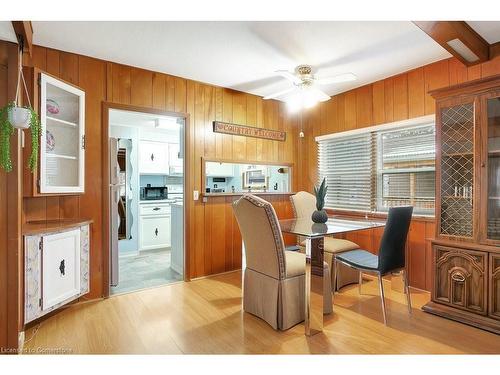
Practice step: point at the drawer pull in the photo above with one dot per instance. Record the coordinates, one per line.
(156, 209)
(152, 157)
(457, 277)
(156, 231)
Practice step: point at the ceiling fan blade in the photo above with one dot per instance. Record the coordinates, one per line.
(290, 76)
(347, 77)
(279, 93)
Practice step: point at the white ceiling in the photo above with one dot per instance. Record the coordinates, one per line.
(244, 55)
(489, 30)
(144, 120)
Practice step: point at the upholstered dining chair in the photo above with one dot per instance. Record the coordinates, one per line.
(304, 204)
(391, 255)
(274, 279)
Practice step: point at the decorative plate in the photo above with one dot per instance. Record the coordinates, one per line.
(52, 106)
(50, 140)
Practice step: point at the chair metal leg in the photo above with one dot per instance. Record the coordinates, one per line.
(407, 290)
(360, 282)
(381, 286)
(336, 268)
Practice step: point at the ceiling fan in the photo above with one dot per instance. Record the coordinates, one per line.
(305, 84)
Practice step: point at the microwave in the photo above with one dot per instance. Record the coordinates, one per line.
(154, 192)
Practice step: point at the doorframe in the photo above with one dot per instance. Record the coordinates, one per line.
(106, 107)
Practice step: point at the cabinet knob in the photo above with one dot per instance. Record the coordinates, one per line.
(458, 277)
(156, 209)
(152, 157)
(156, 231)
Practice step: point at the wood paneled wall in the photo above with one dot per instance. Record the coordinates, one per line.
(3, 208)
(396, 98)
(215, 238)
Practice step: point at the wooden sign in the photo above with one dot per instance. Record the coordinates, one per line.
(249, 131)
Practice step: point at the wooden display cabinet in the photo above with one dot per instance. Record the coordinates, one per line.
(466, 261)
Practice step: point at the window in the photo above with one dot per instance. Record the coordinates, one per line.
(406, 173)
(381, 168)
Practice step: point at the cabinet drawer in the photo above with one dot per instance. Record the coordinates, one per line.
(461, 278)
(494, 287)
(154, 209)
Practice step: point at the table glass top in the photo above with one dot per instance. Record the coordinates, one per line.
(334, 225)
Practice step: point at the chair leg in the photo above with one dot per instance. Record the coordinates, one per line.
(360, 282)
(381, 286)
(335, 279)
(407, 290)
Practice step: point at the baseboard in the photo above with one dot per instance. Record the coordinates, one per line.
(478, 321)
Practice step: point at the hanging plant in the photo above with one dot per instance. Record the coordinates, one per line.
(15, 116)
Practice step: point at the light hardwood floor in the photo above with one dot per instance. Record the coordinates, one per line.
(205, 316)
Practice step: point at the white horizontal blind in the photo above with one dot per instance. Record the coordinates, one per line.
(348, 164)
(380, 169)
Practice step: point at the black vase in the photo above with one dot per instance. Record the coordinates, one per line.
(319, 216)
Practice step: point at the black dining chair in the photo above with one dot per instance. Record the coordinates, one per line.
(391, 255)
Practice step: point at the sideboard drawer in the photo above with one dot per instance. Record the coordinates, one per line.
(461, 278)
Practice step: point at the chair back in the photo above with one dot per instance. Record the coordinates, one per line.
(261, 234)
(303, 204)
(391, 254)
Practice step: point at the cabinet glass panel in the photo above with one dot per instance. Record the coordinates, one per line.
(62, 132)
(457, 170)
(493, 165)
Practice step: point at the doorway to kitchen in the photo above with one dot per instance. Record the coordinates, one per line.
(146, 199)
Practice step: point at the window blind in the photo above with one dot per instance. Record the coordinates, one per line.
(380, 169)
(348, 165)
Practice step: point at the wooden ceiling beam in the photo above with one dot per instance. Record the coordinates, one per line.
(456, 37)
(24, 34)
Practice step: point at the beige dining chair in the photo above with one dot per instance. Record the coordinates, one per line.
(304, 204)
(274, 279)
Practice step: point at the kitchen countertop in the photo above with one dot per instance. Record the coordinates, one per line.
(47, 226)
(247, 192)
(156, 201)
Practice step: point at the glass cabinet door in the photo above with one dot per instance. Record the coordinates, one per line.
(62, 110)
(457, 170)
(493, 168)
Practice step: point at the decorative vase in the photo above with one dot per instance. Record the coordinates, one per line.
(319, 216)
(19, 117)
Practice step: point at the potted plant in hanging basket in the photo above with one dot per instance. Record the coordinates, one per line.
(320, 215)
(13, 116)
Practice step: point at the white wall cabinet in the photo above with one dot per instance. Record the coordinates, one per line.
(155, 226)
(153, 157)
(62, 141)
(216, 169)
(174, 161)
(56, 270)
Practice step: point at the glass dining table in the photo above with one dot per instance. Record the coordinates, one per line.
(314, 235)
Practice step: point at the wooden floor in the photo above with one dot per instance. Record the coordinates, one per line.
(205, 316)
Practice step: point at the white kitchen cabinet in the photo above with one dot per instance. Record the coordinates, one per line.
(56, 269)
(177, 249)
(153, 157)
(155, 231)
(62, 140)
(216, 169)
(154, 225)
(174, 161)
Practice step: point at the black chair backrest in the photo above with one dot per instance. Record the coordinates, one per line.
(391, 255)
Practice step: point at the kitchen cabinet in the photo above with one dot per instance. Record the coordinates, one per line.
(177, 253)
(56, 269)
(174, 161)
(62, 141)
(216, 169)
(153, 157)
(154, 226)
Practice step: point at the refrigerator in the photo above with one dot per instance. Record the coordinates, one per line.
(114, 198)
